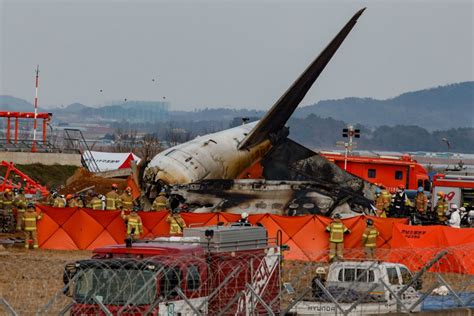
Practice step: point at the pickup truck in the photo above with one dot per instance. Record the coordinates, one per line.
(359, 281)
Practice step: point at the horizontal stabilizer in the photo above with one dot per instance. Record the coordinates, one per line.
(278, 115)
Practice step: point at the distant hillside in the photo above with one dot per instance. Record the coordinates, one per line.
(444, 107)
(440, 108)
(10, 103)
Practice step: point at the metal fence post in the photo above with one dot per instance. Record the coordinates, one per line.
(102, 306)
(269, 310)
(181, 294)
(8, 307)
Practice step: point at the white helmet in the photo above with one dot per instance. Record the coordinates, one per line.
(462, 209)
(454, 206)
(244, 215)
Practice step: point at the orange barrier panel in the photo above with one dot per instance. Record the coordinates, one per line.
(81, 228)
(427, 241)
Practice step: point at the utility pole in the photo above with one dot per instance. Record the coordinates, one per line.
(33, 147)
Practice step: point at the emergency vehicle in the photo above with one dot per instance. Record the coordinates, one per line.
(458, 189)
(391, 171)
(349, 281)
(206, 269)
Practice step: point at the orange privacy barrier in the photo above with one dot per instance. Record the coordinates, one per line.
(427, 241)
(81, 228)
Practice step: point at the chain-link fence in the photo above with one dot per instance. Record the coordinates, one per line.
(248, 282)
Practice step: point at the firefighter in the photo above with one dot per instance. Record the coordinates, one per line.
(30, 219)
(112, 199)
(400, 203)
(95, 203)
(336, 230)
(387, 199)
(380, 203)
(59, 201)
(127, 200)
(369, 238)
(441, 206)
(321, 277)
(244, 219)
(70, 201)
(8, 201)
(160, 202)
(80, 200)
(20, 204)
(176, 222)
(421, 201)
(51, 196)
(133, 223)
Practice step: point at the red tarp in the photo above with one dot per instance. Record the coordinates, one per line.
(80, 228)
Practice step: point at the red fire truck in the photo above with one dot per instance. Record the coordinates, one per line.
(210, 270)
(387, 170)
(459, 189)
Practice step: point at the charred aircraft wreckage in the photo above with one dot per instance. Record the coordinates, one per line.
(209, 172)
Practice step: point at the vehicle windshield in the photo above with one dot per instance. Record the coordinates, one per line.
(115, 286)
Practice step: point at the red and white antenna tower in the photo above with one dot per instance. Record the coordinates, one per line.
(33, 148)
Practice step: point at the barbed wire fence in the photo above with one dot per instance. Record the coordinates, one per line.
(245, 283)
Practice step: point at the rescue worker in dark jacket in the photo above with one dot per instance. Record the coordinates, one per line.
(336, 230)
(400, 203)
(30, 220)
(244, 219)
(369, 239)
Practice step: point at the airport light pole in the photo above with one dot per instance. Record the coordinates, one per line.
(350, 133)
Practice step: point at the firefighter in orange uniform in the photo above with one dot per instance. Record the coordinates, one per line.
(441, 206)
(112, 199)
(176, 222)
(336, 230)
(369, 239)
(133, 223)
(421, 201)
(30, 219)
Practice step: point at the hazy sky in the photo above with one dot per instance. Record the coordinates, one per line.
(228, 53)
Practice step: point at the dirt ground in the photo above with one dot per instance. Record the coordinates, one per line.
(29, 279)
(82, 179)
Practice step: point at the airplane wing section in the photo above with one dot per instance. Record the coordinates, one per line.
(278, 115)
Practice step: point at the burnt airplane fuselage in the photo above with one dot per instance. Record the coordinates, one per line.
(226, 154)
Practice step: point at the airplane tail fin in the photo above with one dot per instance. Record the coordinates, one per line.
(278, 115)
